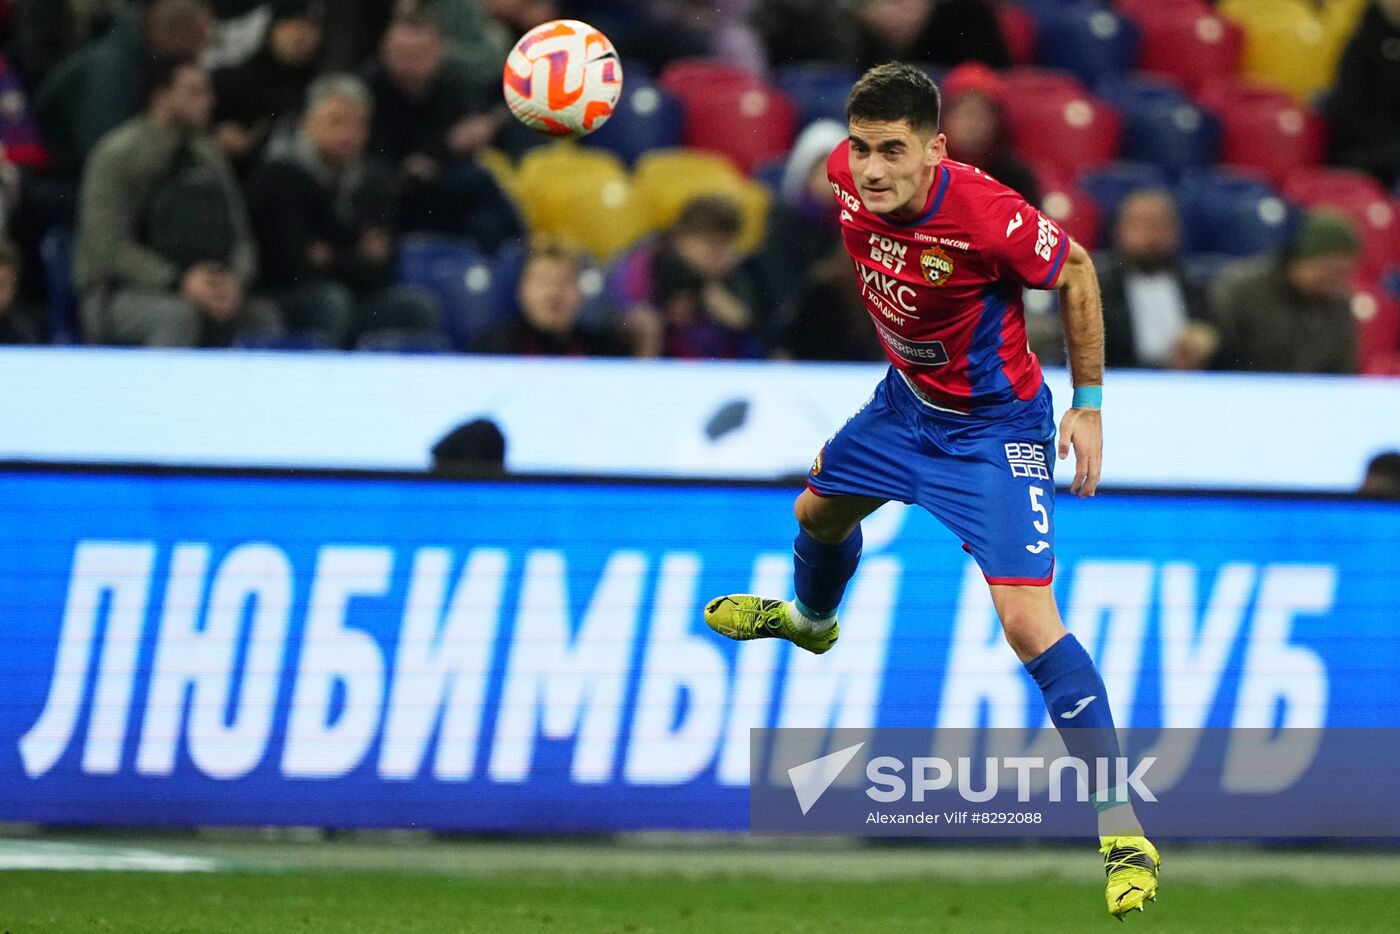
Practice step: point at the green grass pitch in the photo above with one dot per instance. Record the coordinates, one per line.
(510, 886)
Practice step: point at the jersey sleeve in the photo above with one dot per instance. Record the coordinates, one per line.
(1019, 242)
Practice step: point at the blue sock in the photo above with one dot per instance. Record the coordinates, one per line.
(1078, 705)
(821, 572)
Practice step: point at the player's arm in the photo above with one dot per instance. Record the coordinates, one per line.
(1081, 311)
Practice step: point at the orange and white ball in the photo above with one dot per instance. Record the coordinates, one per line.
(563, 78)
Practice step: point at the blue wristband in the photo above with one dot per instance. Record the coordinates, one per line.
(1087, 397)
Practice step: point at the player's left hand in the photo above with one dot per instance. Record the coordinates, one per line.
(1082, 429)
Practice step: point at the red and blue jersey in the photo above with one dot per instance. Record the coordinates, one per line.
(944, 288)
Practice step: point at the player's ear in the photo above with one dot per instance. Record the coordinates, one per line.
(937, 149)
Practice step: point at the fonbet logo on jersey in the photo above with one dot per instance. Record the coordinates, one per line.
(1046, 239)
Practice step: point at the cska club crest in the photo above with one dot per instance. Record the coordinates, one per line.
(937, 266)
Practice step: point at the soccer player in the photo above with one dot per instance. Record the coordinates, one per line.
(962, 423)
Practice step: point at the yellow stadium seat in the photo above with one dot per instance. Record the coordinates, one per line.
(666, 179)
(1287, 43)
(1340, 18)
(602, 219)
(547, 177)
(500, 167)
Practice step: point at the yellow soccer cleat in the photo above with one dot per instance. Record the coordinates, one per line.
(743, 616)
(1131, 864)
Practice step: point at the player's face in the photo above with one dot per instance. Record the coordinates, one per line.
(893, 165)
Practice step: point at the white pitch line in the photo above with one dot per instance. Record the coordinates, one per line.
(39, 854)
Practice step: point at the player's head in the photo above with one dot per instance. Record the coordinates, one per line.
(549, 294)
(1383, 476)
(892, 115)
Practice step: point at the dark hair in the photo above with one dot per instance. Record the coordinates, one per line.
(712, 215)
(474, 448)
(896, 91)
(1386, 464)
(160, 75)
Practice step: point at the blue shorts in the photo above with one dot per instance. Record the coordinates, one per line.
(989, 476)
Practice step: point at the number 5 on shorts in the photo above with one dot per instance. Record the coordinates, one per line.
(1042, 525)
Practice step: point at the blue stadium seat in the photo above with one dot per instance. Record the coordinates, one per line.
(819, 91)
(295, 340)
(1162, 125)
(1229, 212)
(1086, 38)
(56, 252)
(395, 340)
(462, 279)
(1110, 184)
(647, 117)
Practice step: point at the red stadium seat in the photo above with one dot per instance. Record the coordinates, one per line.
(1361, 198)
(1262, 129)
(748, 123)
(1072, 208)
(1055, 123)
(1185, 40)
(1017, 32)
(1377, 332)
(690, 77)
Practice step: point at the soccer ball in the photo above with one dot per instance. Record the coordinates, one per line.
(563, 78)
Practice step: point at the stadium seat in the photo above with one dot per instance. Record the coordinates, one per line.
(819, 91)
(747, 123)
(460, 277)
(1361, 198)
(548, 176)
(1263, 129)
(396, 340)
(666, 180)
(293, 341)
(1232, 212)
(690, 76)
(1184, 40)
(602, 219)
(1110, 184)
(56, 253)
(1285, 43)
(1055, 123)
(1161, 125)
(1085, 38)
(647, 118)
(500, 166)
(1018, 32)
(1377, 331)
(1074, 210)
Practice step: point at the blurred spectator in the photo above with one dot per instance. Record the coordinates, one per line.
(803, 225)
(863, 33)
(48, 31)
(262, 98)
(831, 322)
(1383, 476)
(17, 325)
(550, 301)
(1365, 102)
(1292, 313)
(686, 295)
(1154, 315)
(325, 222)
(474, 40)
(939, 32)
(429, 122)
(976, 128)
(99, 87)
(164, 253)
(473, 449)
